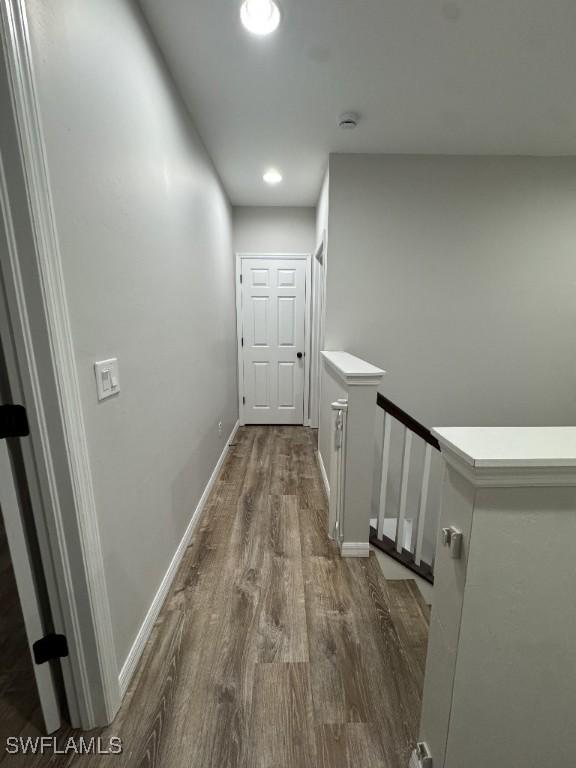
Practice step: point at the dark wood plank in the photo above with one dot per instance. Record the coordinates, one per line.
(282, 728)
(396, 686)
(340, 678)
(410, 623)
(283, 630)
(425, 608)
(348, 746)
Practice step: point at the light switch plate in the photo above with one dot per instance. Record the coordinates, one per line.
(107, 378)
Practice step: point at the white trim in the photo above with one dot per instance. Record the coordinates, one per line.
(352, 370)
(319, 252)
(355, 549)
(323, 473)
(510, 477)
(307, 339)
(538, 447)
(129, 666)
(499, 457)
(307, 328)
(316, 325)
(239, 353)
(18, 353)
(52, 388)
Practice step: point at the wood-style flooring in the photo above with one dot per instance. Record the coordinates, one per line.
(271, 651)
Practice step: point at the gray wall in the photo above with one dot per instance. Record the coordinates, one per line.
(458, 277)
(274, 229)
(145, 232)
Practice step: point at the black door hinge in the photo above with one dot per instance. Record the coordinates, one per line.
(242, 340)
(243, 401)
(50, 647)
(240, 278)
(13, 421)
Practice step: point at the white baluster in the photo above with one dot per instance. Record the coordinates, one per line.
(403, 489)
(387, 432)
(423, 503)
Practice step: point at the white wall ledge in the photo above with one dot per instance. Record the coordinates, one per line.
(353, 370)
(511, 456)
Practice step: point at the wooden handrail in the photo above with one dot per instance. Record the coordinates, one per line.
(409, 421)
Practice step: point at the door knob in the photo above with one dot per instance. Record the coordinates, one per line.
(299, 355)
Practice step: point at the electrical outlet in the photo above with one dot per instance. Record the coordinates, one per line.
(220, 428)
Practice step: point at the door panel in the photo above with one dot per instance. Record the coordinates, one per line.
(286, 321)
(273, 306)
(286, 277)
(286, 379)
(260, 322)
(27, 589)
(260, 277)
(28, 572)
(261, 384)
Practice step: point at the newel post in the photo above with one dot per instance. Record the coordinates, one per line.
(349, 387)
(500, 688)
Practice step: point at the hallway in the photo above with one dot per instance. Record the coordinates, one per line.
(272, 651)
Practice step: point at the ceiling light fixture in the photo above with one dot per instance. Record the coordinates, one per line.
(261, 17)
(272, 176)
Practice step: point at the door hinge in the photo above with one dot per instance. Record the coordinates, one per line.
(50, 647)
(243, 401)
(13, 421)
(242, 340)
(240, 278)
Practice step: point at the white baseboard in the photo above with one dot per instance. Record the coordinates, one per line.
(323, 473)
(129, 666)
(355, 549)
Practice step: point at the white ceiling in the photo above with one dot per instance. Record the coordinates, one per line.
(427, 76)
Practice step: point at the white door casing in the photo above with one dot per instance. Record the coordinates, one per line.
(27, 591)
(273, 320)
(317, 341)
(42, 375)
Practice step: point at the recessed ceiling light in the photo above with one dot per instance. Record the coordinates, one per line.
(272, 176)
(261, 17)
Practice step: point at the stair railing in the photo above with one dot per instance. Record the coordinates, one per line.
(395, 535)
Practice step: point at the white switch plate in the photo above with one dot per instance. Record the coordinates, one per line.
(107, 378)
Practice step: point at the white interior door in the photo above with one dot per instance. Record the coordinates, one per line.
(27, 588)
(273, 318)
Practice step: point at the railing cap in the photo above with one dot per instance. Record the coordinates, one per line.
(511, 456)
(353, 370)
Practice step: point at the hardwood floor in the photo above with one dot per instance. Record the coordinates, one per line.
(271, 651)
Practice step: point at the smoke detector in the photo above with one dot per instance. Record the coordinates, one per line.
(348, 120)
